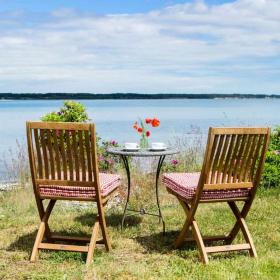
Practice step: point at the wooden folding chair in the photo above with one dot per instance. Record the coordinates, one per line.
(231, 172)
(63, 163)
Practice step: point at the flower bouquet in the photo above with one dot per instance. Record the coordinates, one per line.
(141, 128)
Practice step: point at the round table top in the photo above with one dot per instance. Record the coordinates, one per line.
(142, 152)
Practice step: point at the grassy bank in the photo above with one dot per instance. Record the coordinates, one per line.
(140, 251)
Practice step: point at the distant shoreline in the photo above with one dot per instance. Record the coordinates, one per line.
(123, 96)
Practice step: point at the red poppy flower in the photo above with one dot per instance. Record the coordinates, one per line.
(148, 121)
(140, 129)
(155, 122)
(135, 126)
(148, 133)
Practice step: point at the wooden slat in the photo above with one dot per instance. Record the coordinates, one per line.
(38, 153)
(75, 154)
(217, 156)
(221, 186)
(57, 154)
(214, 154)
(245, 157)
(70, 238)
(69, 153)
(62, 183)
(60, 125)
(87, 144)
(93, 146)
(233, 158)
(79, 239)
(45, 156)
(261, 161)
(228, 158)
(51, 158)
(221, 171)
(82, 153)
(239, 130)
(209, 162)
(62, 149)
(228, 248)
(244, 198)
(207, 238)
(63, 247)
(247, 161)
(239, 158)
(256, 154)
(70, 198)
(74, 238)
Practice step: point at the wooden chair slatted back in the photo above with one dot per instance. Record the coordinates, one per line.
(234, 157)
(62, 153)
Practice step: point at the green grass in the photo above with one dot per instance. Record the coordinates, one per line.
(139, 251)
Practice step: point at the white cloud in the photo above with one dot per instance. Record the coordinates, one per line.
(191, 47)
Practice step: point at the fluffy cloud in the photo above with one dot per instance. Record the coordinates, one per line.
(193, 47)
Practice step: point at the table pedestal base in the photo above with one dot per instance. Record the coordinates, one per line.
(142, 211)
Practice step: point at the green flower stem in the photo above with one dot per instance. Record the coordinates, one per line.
(144, 143)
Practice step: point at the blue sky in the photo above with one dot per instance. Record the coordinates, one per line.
(100, 7)
(146, 46)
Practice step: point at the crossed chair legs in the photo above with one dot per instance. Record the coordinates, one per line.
(228, 239)
(89, 243)
(44, 232)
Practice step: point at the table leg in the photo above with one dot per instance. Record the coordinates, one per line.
(160, 162)
(126, 165)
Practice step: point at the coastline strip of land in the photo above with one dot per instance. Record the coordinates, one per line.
(120, 96)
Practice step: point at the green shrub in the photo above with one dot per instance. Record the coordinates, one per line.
(271, 174)
(71, 111)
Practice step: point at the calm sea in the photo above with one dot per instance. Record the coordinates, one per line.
(114, 118)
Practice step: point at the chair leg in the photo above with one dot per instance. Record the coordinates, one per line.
(195, 232)
(41, 211)
(38, 240)
(244, 228)
(42, 230)
(200, 243)
(92, 243)
(233, 233)
(197, 237)
(183, 233)
(102, 222)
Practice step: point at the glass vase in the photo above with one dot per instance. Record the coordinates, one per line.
(144, 143)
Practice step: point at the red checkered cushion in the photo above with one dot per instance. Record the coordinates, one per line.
(185, 184)
(108, 182)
